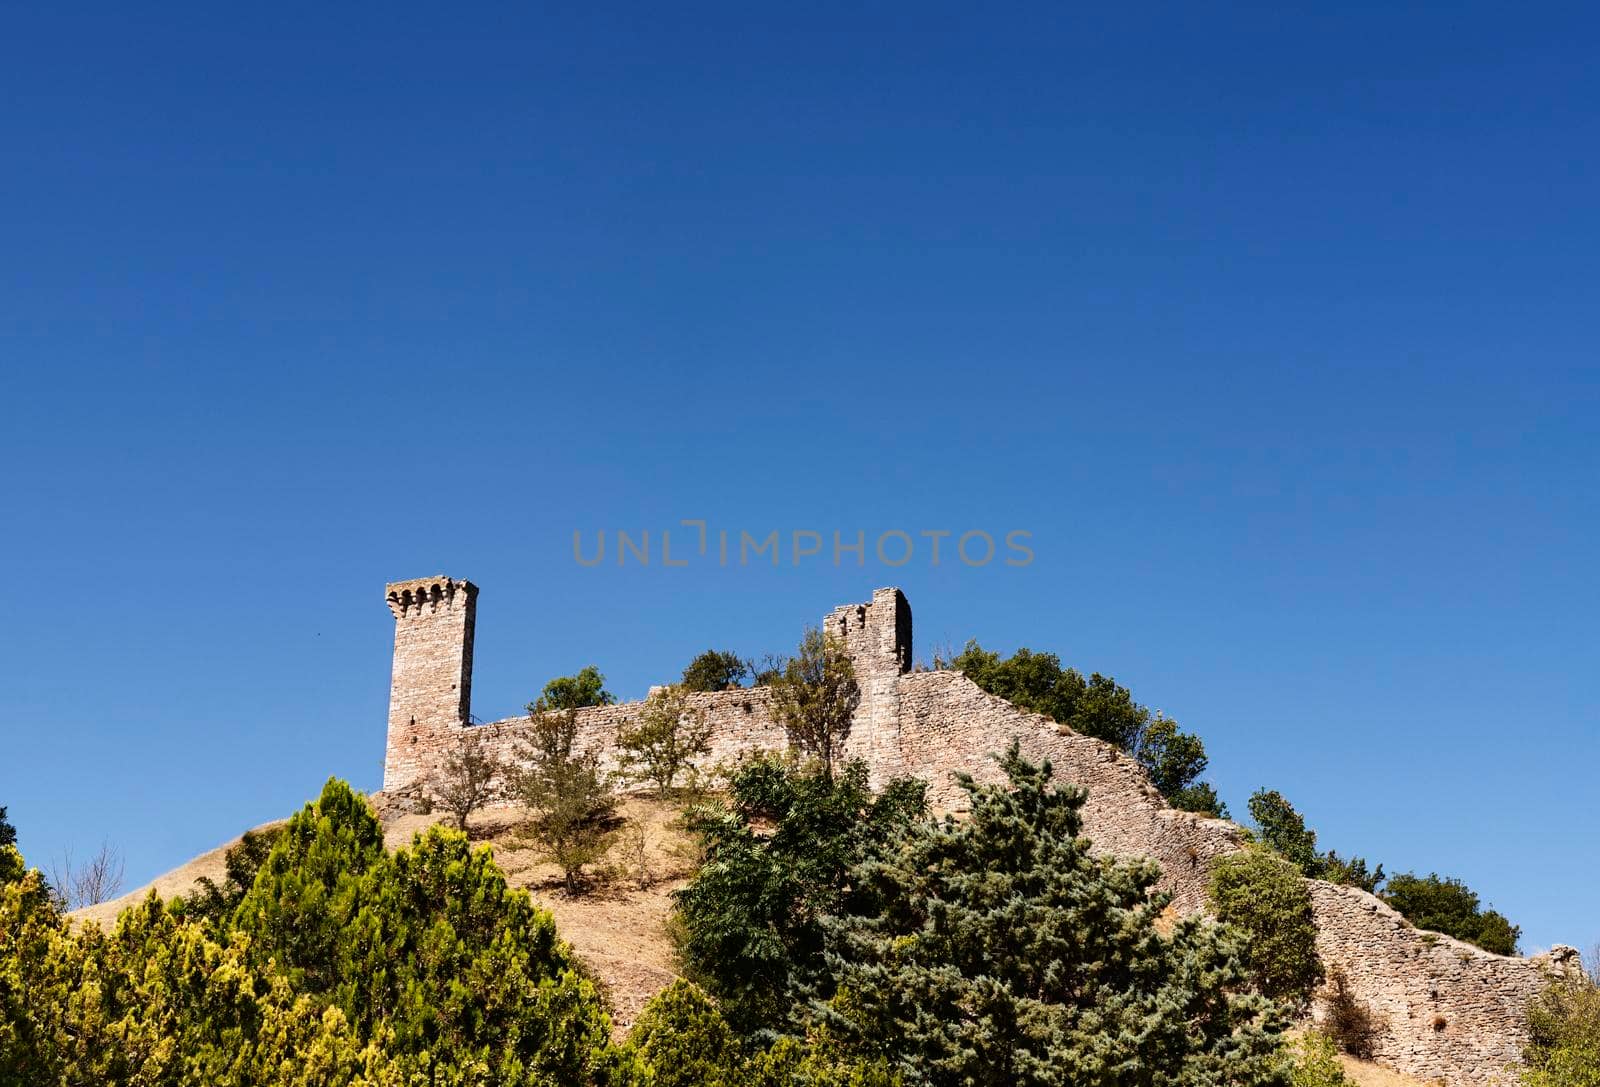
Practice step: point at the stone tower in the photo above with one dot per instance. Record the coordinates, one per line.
(877, 636)
(430, 691)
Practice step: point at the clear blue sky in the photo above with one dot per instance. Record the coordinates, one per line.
(1276, 329)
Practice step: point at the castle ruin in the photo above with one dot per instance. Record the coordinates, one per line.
(1446, 1010)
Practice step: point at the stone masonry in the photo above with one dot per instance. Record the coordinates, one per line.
(1447, 1010)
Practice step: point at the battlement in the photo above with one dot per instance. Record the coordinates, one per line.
(428, 595)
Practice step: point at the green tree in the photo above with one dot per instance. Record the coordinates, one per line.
(8, 833)
(574, 812)
(587, 688)
(667, 737)
(1264, 896)
(341, 965)
(815, 697)
(1100, 707)
(715, 670)
(778, 853)
(1313, 1061)
(1281, 828)
(1000, 951)
(216, 901)
(1443, 904)
(682, 1040)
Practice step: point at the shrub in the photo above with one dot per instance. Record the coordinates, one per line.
(574, 813)
(1449, 906)
(778, 853)
(1263, 896)
(587, 688)
(667, 737)
(715, 671)
(1564, 1036)
(683, 1040)
(815, 696)
(997, 949)
(1312, 1060)
(1348, 1021)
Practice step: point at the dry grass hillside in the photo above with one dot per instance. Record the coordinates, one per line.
(618, 927)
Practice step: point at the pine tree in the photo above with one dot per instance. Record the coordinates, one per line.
(1000, 952)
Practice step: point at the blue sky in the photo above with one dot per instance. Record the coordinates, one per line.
(1275, 328)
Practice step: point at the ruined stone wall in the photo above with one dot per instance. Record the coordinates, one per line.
(1447, 1010)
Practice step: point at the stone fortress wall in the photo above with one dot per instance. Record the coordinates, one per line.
(1448, 1011)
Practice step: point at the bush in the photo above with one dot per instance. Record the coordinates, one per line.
(668, 736)
(997, 950)
(1449, 906)
(1564, 1037)
(1265, 898)
(683, 1040)
(715, 671)
(574, 812)
(778, 854)
(1312, 1060)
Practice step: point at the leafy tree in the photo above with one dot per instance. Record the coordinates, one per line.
(1283, 829)
(716, 670)
(587, 688)
(778, 853)
(574, 811)
(469, 777)
(8, 833)
(1264, 897)
(1449, 906)
(216, 902)
(1564, 1036)
(669, 735)
(1100, 707)
(999, 951)
(815, 696)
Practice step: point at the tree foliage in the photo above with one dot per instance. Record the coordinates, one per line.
(587, 688)
(778, 854)
(716, 670)
(1443, 904)
(216, 901)
(1100, 707)
(341, 965)
(1264, 897)
(1283, 829)
(470, 776)
(8, 833)
(999, 951)
(664, 741)
(574, 816)
(1564, 1036)
(814, 697)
